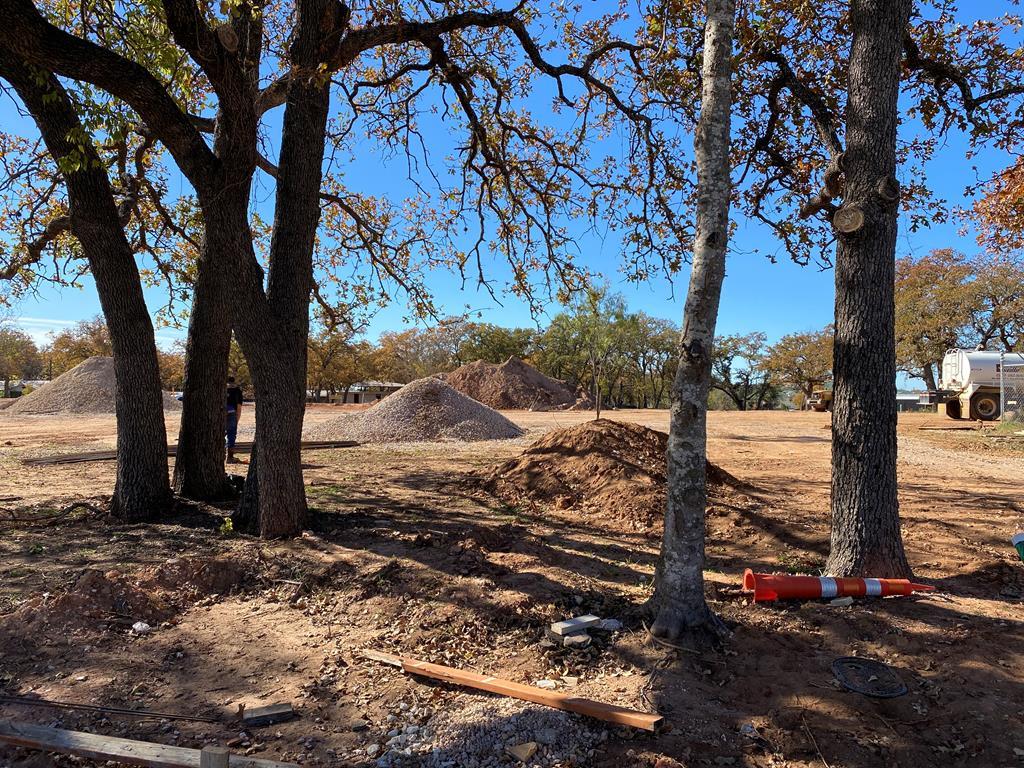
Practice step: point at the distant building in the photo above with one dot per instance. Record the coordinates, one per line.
(18, 387)
(909, 401)
(367, 392)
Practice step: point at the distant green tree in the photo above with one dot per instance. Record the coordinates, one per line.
(739, 370)
(496, 344)
(802, 360)
(19, 357)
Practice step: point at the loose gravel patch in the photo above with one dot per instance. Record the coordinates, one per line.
(476, 732)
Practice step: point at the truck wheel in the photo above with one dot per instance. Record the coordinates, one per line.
(985, 407)
(953, 409)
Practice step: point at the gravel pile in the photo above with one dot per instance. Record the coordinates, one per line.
(513, 385)
(426, 409)
(86, 388)
(476, 732)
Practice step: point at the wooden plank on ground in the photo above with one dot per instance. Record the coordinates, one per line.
(172, 450)
(608, 712)
(129, 751)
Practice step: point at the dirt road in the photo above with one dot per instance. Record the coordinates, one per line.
(402, 556)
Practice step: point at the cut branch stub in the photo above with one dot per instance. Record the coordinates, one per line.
(849, 218)
(888, 189)
(833, 181)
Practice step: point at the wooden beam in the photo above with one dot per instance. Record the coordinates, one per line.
(608, 712)
(172, 450)
(99, 747)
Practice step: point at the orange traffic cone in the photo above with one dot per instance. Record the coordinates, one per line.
(768, 587)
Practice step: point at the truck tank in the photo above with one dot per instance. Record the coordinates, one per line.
(970, 382)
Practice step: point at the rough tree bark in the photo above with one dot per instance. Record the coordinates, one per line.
(199, 464)
(928, 372)
(866, 539)
(274, 338)
(141, 488)
(227, 244)
(678, 602)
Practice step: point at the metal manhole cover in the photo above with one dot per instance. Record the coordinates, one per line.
(871, 678)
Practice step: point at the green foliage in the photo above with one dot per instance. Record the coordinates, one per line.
(740, 372)
(19, 357)
(802, 360)
(496, 344)
(946, 299)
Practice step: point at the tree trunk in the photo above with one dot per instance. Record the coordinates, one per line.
(928, 373)
(199, 464)
(275, 336)
(866, 538)
(678, 602)
(597, 392)
(141, 487)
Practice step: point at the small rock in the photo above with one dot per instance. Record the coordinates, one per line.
(360, 725)
(610, 625)
(842, 602)
(547, 736)
(546, 684)
(523, 752)
(141, 628)
(372, 750)
(579, 641)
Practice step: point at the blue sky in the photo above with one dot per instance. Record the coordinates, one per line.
(775, 298)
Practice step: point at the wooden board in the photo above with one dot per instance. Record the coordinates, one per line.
(172, 450)
(274, 713)
(607, 712)
(110, 748)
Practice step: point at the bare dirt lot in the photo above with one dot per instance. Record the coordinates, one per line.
(406, 554)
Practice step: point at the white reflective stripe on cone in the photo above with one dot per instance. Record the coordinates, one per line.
(828, 586)
(872, 586)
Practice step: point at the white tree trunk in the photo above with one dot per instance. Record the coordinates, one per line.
(678, 600)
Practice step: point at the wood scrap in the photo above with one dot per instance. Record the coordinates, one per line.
(274, 713)
(608, 712)
(31, 701)
(576, 625)
(172, 450)
(99, 747)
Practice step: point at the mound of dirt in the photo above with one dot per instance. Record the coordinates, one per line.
(86, 388)
(513, 385)
(604, 468)
(426, 409)
(152, 595)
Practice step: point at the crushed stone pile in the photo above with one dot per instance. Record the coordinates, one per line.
(151, 595)
(603, 468)
(426, 409)
(476, 732)
(513, 385)
(86, 388)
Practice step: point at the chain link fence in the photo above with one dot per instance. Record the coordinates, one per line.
(1011, 387)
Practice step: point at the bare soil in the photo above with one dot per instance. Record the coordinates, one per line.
(403, 555)
(511, 385)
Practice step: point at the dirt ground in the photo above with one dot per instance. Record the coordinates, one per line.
(404, 554)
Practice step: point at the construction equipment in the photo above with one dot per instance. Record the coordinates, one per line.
(820, 400)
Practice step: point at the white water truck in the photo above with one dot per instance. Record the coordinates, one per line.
(971, 383)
